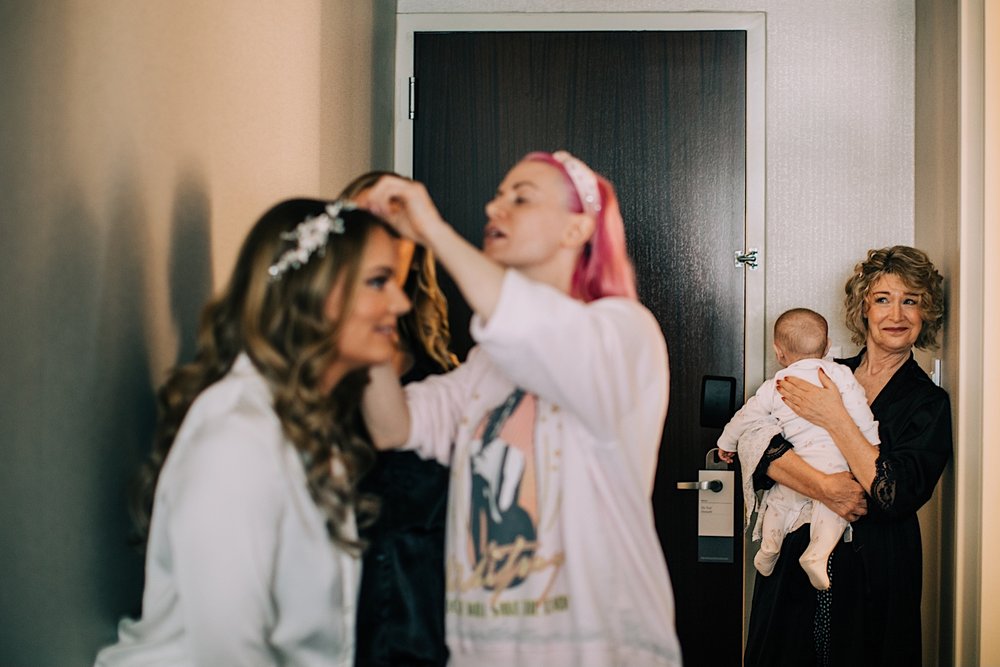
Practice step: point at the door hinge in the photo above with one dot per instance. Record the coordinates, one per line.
(413, 98)
(746, 259)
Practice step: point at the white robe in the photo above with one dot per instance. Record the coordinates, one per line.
(576, 462)
(240, 568)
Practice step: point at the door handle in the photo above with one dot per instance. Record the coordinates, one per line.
(704, 485)
(715, 513)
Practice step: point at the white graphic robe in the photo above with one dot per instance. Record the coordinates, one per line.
(552, 429)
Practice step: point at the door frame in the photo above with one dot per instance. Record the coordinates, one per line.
(755, 25)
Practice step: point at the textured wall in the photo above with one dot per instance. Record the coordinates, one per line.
(138, 142)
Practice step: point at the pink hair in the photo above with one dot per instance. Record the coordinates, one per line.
(603, 268)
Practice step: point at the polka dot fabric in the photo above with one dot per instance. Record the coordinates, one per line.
(821, 628)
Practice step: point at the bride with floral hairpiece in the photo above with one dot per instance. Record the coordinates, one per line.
(249, 499)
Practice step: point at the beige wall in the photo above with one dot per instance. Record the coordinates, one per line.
(138, 142)
(958, 218)
(989, 625)
(936, 215)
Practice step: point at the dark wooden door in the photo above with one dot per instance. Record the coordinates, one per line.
(662, 115)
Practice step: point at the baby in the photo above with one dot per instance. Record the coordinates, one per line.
(800, 343)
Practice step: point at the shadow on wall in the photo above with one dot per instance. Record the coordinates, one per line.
(76, 401)
(190, 259)
(79, 410)
(123, 411)
(83, 412)
(190, 283)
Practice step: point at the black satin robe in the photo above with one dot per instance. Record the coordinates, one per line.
(401, 601)
(876, 578)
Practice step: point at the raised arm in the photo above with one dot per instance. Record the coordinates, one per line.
(606, 361)
(407, 206)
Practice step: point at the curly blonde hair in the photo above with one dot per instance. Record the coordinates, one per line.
(427, 321)
(917, 272)
(280, 325)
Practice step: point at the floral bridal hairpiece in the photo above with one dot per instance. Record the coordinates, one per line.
(310, 238)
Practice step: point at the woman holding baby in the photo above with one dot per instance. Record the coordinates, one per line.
(871, 613)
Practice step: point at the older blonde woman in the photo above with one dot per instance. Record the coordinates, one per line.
(871, 613)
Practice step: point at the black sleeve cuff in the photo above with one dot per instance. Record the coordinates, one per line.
(778, 447)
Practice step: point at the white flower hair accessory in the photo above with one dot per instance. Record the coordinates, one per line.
(583, 179)
(310, 237)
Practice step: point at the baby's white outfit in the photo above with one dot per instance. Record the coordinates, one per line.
(783, 510)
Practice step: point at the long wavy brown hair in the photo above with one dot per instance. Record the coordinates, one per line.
(280, 325)
(426, 323)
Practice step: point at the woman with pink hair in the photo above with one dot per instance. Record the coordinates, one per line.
(551, 427)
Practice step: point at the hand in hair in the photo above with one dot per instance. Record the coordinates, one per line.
(405, 205)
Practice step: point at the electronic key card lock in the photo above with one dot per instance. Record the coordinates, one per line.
(716, 485)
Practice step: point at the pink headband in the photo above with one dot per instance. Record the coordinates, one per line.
(583, 180)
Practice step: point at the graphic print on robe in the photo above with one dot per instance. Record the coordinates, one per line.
(504, 508)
